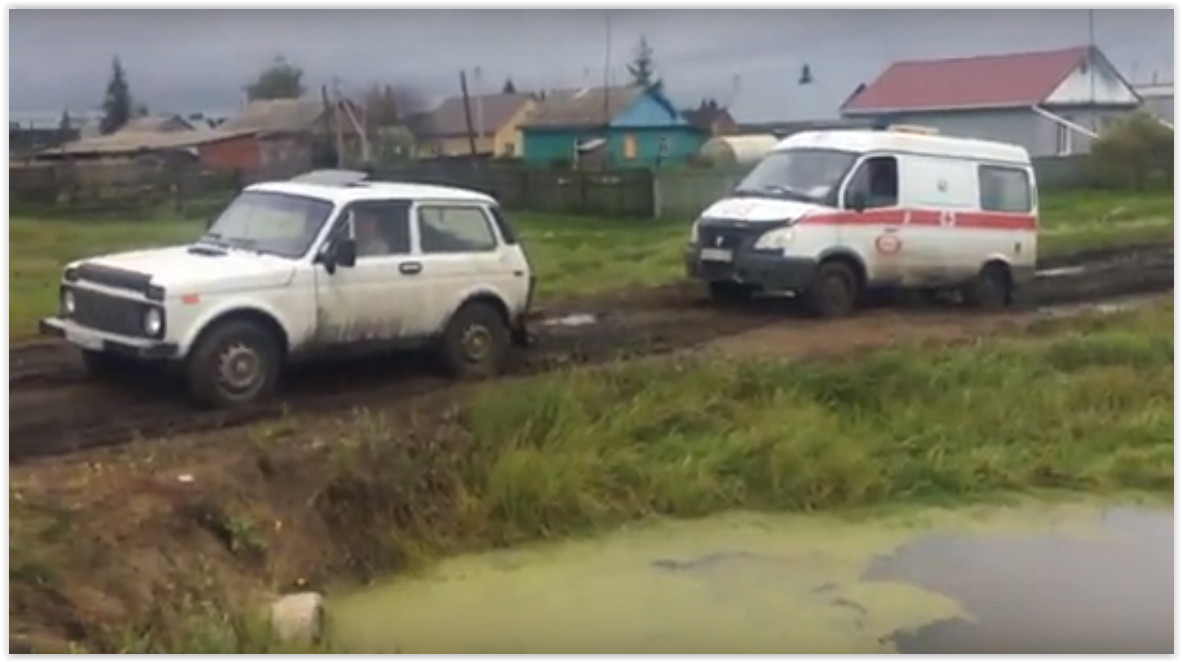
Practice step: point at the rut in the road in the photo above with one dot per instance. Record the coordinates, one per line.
(54, 412)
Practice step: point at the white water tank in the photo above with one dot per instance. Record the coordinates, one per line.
(746, 150)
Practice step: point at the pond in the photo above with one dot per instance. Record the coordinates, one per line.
(1030, 579)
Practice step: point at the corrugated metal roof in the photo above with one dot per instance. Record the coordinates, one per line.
(582, 108)
(1016, 79)
(489, 112)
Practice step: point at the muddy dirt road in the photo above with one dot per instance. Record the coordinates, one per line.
(55, 409)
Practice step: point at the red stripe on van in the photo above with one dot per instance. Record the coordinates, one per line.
(927, 217)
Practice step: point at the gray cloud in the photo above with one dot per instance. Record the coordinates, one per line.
(199, 59)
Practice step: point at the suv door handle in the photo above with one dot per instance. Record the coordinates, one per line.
(410, 268)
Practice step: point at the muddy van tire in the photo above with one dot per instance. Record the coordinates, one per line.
(990, 289)
(833, 292)
(731, 293)
(234, 365)
(475, 343)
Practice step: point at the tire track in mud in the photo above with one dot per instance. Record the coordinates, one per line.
(54, 410)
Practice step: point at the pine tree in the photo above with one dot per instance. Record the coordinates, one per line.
(509, 87)
(643, 68)
(117, 103)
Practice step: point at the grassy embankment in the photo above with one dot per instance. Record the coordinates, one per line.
(573, 255)
(1069, 405)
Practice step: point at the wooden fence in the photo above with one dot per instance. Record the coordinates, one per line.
(673, 193)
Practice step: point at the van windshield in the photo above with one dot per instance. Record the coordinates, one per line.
(811, 175)
(266, 222)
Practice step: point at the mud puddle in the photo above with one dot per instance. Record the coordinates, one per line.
(1068, 578)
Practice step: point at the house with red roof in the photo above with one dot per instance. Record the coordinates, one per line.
(1050, 102)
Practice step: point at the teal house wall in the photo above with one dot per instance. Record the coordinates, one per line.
(659, 133)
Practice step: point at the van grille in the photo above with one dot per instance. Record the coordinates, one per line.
(107, 313)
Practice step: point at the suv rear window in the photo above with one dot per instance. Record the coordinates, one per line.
(508, 233)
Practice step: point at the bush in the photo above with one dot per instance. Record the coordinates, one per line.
(1136, 151)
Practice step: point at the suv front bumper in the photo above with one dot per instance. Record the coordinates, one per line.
(100, 341)
(767, 271)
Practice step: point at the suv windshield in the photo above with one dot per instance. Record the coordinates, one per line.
(804, 174)
(275, 223)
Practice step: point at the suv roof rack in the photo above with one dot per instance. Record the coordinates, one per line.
(333, 177)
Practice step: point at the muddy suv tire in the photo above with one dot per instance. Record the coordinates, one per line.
(731, 293)
(833, 292)
(990, 290)
(234, 365)
(475, 343)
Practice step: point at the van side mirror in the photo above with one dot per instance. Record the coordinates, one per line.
(856, 200)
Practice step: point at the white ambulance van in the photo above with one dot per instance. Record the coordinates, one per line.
(829, 215)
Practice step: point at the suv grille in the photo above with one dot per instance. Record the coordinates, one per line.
(107, 313)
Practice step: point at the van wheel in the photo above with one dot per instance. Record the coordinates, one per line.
(833, 291)
(234, 365)
(731, 293)
(475, 342)
(990, 290)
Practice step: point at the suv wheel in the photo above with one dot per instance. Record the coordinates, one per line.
(731, 293)
(833, 292)
(990, 290)
(234, 365)
(475, 342)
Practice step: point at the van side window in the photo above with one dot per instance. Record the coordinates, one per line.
(878, 179)
(1004, 189)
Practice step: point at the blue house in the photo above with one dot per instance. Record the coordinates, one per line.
(618, 127)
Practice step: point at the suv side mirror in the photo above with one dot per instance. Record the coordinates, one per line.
(856, 200)
(340, 252)
(344, 252)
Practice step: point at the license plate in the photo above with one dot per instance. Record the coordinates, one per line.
(83, 339)
(716, 255)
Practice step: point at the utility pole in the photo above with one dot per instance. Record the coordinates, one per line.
(1092, 68)
(607, 68)
(468, 114)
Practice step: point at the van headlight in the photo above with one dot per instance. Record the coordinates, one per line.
(775, 240)
(69, 303)
(693, 238)
(154, 322)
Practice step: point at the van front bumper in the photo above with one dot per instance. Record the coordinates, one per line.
(771, 272)
(100, 341)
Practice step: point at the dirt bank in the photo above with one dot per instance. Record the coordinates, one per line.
(111, 541)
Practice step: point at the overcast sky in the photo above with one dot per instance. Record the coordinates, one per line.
(183, 60)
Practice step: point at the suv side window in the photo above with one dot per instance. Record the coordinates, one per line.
(878, 178)
(380, 228)
(454, 229)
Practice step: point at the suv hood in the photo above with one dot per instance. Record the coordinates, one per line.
(759, 210)
(176, 268)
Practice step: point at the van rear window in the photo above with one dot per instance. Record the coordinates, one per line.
(1005, 189)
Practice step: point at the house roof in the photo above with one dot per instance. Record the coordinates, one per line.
(155, 123)
(582, 107)
(1016, 79)
(131, 142)
(490, 112)
(278, 115)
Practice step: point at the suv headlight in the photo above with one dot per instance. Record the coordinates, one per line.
(69, 304)
(774, 240)
(154, 322)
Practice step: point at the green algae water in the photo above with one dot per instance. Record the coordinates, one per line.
(980, 580)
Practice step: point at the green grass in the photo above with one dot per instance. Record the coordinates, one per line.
(1072, 406)
(572, 255)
